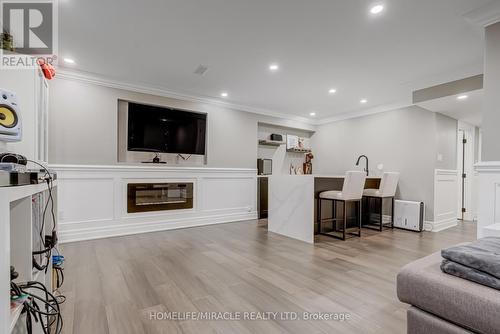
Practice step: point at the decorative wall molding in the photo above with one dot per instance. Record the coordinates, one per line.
(487, 167)
(95, 79)
(93, 199)
(152, 169)
(105, 82)
(144, 89)
(364, 112)
(486, 15)
(488, 198)
(445, 200)
(433, 226)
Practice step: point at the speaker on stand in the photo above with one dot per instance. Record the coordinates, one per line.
(10, 120)
(10, 131)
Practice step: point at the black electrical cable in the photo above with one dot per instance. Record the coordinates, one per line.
(60, 279)
(31, 308)
(48, 248)
(58, 268)
(50, 242)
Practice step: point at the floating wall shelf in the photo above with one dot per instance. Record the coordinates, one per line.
(270, 142)
(299, 150)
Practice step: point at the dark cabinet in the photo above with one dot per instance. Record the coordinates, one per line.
(262, 200)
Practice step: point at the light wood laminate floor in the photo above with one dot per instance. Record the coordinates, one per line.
(112, 285)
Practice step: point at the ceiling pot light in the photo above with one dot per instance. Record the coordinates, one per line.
(312, 114)
(224, 94)
(332, 91)
(363, 101)
(274, 67)
(377, 9)
(463, 97)
(69, 61)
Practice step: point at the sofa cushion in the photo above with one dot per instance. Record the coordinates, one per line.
(467, 304)
(420, 322)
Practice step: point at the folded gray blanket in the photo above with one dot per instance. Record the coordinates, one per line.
(470, 274)
(478, 261)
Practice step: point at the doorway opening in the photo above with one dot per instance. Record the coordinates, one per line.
(467, 149)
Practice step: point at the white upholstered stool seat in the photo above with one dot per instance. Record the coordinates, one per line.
(372, 193)
(331, 194)
(388, 186)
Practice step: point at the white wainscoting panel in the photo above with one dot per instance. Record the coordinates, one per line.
(86, 199)
(227, 193)
(445, 200)
(93, 199)
(488, 209)
(496, 203)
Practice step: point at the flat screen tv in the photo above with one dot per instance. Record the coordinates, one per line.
(165, 130)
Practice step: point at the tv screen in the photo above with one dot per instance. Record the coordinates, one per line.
(166, 130)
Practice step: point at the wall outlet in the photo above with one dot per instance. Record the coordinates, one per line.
(439, 157)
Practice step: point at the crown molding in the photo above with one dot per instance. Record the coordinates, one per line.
(486, 15)
(109, 83)
(365, 112)
(105, 82)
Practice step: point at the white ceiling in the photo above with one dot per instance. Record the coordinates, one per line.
(319, 44)
(468, 110)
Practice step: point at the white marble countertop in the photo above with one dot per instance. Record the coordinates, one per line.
(326, 176)
(332, 176)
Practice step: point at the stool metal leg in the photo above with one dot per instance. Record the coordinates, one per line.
(334, 212)
(344, 221)
(381, 218)
(360, 204)
(319, 215)
(392, 213)
(341, 223)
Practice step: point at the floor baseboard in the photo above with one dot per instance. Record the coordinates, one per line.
(439, 226)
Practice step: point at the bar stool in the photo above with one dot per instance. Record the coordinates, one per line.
(387, 190)
(352, 192)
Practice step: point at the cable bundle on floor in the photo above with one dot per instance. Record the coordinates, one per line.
(58, 272)
(40, 306)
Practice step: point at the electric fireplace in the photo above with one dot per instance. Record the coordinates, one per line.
(144, 197)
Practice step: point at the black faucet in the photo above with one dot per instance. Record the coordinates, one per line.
(366, 168)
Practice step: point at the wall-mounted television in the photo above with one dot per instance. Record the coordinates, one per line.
(165, 130)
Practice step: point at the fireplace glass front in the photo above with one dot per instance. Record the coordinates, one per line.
(144, 197)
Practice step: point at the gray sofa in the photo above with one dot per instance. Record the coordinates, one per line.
(446, 304)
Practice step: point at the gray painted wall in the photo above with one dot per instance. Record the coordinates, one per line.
(446, 141)
(406, 140)
(491, 113)
(84, 130)
(84, 127)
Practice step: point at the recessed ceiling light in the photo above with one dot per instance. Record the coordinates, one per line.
(274, 67)
(332, 91)
(224, 94)
(377, 9)
(312, 114)
(363, 101)
(463, 97)
(69, 60)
